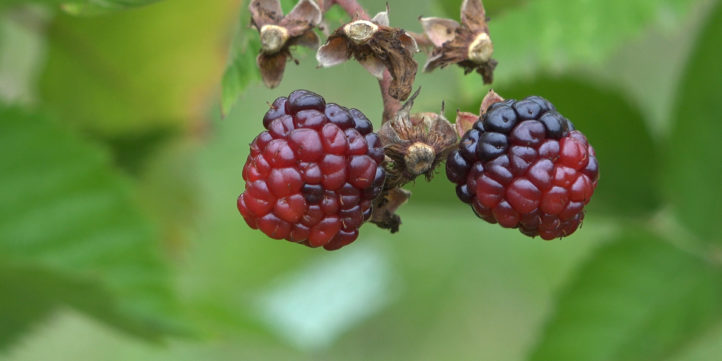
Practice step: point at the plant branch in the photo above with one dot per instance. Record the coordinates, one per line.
(353, 9)
(391, 105)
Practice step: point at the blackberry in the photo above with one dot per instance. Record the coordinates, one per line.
(523, 165)
(312, 175)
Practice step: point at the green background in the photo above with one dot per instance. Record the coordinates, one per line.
(120, 239)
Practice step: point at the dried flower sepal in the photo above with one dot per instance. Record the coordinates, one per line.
(467, 44)
(278, 33)
(465, 120)
(377, 47)
(384, 209)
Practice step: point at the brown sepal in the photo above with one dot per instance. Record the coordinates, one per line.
(376, 46)
(272, 67)
(490, 98)
(278, 33)
(385, 207)
(465, 120)
(467, 44)
(265, 12)
(439, 30)
(473, 15)
(302, 18)
(388, 46)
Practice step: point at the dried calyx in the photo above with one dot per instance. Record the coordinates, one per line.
(384, 209)
(278, 33)
(467, 44)
(377, 47)
(415, 144)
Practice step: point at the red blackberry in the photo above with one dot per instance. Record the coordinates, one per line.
(524, 166)
(312, 175)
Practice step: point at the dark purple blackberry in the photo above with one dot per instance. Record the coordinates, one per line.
(524, 166)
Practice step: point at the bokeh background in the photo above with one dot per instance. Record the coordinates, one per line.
(120, 240)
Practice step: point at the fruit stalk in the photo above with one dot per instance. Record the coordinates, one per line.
(391, 105)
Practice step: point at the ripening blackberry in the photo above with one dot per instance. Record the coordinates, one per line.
(523, 165)
(312, 175)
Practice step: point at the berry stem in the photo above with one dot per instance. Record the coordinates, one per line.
(391, 105)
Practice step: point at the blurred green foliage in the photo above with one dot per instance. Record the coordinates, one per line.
(86, 7)
(637, 298)
(118, 180)
(694, 171)
(243, 57)
(66, 216)
(132, 72)
(558, 36)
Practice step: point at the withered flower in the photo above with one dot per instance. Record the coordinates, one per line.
(385, 207)
(415, 144)
(378, 47)
(278, 33)
(467, 44)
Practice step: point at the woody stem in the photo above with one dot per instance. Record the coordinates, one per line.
(391, 104)
(357, 12)
(353, 9)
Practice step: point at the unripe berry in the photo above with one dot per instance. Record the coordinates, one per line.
(312, 175)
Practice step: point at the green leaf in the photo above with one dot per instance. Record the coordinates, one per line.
(628, 157)
(18, 317)
(556, 35)
(95, 7)
(37, 292)
(87, 7)
(707, 348)
(130, 72)
(241, 69)
(638, 298)
(21, 55)
(66, 216)
(17, 2)
(694, 175)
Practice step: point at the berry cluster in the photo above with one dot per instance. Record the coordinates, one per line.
(318, 172)
(312, 175)
(523, 165)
